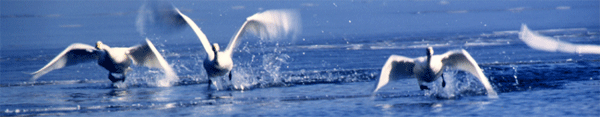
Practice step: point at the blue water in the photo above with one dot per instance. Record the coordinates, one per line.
(328, 70)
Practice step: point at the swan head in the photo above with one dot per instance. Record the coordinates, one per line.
(429, 52)
(99, 45)
(215, 48)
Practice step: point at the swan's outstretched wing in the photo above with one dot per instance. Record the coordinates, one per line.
(544, 43)
(395, 68)
(147, 55)
(74, 54)
(462, 60)
(199, 33)
(157, 17)
(271, 24)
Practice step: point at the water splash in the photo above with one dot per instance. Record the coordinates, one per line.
(168, 79)
(148, 77)
(458, 84)
(262, 70)
(515, 74)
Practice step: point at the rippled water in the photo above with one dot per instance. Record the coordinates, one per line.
(329, 69)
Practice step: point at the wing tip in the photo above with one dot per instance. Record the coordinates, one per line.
(380, 82)
(524, 28)
(176, 9)
(492, 94)
(34, 76)
(464, 52)
(375, 91)
(147, 40)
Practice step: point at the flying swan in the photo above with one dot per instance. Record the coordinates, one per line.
(431, 67)
(268, 24)
(540, 42)
(114, 59)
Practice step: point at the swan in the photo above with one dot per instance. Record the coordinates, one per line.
(114, 59)
(267, 24)
(540, 42)
(431, 67)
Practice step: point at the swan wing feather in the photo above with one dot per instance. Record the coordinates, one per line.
(396, 67)
(74, 54)
(462, 60)
(544, 43)
(270, 24)
(199, 33)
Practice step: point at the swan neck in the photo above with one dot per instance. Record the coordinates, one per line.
(105, 48)
(215, 55)
(429, 54)
(215, 50)
(428, 60)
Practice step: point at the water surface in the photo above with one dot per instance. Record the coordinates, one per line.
(330, 69)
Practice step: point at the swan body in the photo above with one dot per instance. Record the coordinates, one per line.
(540, 42)
(268, 24)
(430, 68)
(114, 59)
(219, 65)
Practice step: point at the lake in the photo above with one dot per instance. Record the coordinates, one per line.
(329, 69)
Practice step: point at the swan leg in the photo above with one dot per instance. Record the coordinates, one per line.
(229, 75)
(443, 81)
(112, 78)
(209, 82)
(423, 87)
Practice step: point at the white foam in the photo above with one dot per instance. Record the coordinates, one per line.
(563, 7)
(483, 43)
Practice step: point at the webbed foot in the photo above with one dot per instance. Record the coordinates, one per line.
(114, 79)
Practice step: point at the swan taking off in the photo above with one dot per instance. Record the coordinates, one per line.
(270, 24)
(116, 59)
(540, 42)
(431, 67)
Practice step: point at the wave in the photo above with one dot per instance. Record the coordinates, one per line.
(30, 15)
(540, 62)
(68, 15)
(41, 83)
(513, 10)
(209, 100)
(505, 77)
(397, 41)
(516, 32)
(381, 46)
(250, 77)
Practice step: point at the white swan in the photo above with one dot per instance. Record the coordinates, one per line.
(431, 67)
(540, 42)
(116, 59)
(268, 24)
